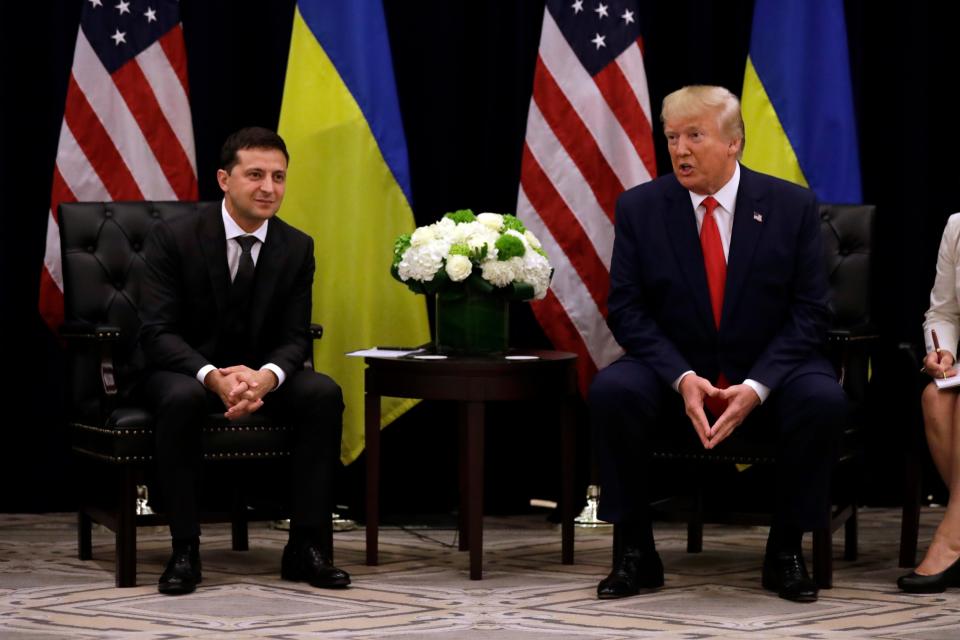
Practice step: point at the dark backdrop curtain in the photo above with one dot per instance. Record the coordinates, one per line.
(464, 73)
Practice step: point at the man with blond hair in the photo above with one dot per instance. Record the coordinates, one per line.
(718, 295)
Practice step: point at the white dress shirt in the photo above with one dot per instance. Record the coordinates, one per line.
(944, 312)
(726, 197)
(232, 230)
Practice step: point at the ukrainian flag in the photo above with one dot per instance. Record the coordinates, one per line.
(348, 186)
(798, 100)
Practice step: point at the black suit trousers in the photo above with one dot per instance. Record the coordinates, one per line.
(310, 401)
(631, 409)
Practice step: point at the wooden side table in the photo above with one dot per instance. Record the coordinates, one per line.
(547, 376)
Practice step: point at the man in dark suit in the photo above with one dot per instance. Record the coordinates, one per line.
(718, 295)
(226, 307)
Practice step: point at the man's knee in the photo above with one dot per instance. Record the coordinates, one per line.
(315, 394)
(611, 392)
(181, 395)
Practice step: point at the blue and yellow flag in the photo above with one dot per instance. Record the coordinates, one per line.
(798, 100)
(348, 186)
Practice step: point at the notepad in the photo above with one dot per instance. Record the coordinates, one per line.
(946, 383)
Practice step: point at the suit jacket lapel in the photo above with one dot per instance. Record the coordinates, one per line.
(269, 266)
(214, 246)
(681, 224)
(747, 227)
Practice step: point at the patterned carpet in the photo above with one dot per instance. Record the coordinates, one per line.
(421, 589)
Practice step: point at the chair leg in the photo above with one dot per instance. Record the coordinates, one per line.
(695, 524)
(239, 529)
(239, 538)
(84, 537)
(823, 558)
(617, 535)
(910, 518)
(126, 534)
(850, 529)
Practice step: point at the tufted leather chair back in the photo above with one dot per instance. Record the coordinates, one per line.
(103, 264)
(847, 231)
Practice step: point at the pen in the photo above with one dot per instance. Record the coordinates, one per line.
(936, 348)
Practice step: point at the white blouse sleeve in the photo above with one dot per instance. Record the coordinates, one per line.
(944, 312)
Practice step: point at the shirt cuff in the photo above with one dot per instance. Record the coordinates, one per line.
(277, 372)
(762, 390)
(202, 374)
(676, 383)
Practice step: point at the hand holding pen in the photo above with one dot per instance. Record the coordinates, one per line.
(939, 362)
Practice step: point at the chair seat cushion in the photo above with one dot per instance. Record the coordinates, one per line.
(128, 437)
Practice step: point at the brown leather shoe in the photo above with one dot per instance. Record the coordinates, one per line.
(308, 564)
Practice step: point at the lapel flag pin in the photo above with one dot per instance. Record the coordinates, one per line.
(758, 216)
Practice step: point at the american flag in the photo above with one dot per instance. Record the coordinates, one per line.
(126, 132)
(588, 139)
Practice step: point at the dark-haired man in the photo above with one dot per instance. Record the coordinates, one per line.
(226, 308)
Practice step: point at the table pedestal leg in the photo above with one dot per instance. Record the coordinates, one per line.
(371, 410)
(474, 412)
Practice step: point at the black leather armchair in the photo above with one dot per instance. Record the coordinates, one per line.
(103, 265)
(847, 234)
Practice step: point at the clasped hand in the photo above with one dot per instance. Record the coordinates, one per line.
(741, 400)
(240, 388)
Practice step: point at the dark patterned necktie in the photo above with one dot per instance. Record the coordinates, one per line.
(243, 281)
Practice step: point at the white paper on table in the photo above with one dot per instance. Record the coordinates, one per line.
(377, 352)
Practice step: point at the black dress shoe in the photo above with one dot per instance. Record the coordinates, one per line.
(915, 582)
(635, 570)
(182, 574)
(786, 573)
(306, 563)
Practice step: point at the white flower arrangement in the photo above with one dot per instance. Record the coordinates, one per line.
(491, 252)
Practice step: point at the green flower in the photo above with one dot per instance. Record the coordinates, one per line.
(509, 246)
(461, 216)
(513, 222)
(401, 244)
(460, 249)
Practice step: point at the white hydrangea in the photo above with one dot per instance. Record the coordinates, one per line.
(445, 229)
(422, 262)
(458, 267)
(536, 272)
(481, 235)
(492, 220)
(500, 273)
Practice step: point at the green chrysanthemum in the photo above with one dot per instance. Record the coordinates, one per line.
(509, 246)
(461, 216)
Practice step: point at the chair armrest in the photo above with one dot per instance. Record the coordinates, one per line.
(847, 335)
(106, 337)
(76, 331)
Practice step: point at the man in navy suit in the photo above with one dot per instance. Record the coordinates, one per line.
(226, 306)
(718, 295)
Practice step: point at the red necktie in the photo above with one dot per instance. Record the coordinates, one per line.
(716, 267)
